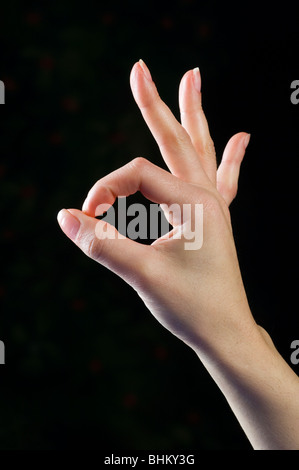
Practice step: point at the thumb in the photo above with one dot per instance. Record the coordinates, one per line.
(104, 244)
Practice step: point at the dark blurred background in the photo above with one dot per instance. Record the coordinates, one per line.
(87, 366)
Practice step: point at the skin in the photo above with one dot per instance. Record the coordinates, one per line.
(198, 295)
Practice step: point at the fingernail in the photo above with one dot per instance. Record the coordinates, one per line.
(197, 79)
(145, 70)
(246, 140)
(69, 223)
(85, 205)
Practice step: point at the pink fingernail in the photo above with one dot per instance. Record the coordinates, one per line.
(145, 70)
(69, 223)
(197, 79)
(85, 205)
(246, 140)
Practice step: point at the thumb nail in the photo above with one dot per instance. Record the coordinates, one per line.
(69, 223)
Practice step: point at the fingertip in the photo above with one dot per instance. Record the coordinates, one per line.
(190, 91)
(145, 70)
(133, 70)
(241, 141)
(60, 215)
(246, 140)
(89, 205)
(85, 206)
(69, 223)
(237, 143)
(186, 78)
(74, 212)
(136, 71)
(186, 75)
(196, 79)
(192, 77)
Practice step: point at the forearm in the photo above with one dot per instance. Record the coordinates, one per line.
(260, 387)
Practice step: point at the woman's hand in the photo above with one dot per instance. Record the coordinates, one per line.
(197, 294)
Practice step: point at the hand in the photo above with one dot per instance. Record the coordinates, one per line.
(197, 294)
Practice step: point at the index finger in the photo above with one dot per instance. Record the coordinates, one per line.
(153, 182)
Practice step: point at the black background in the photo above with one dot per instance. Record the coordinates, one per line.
(87, 366)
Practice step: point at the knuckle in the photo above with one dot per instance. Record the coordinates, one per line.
(214, 206)
(183, 138)
(233, 190)
(91, 246)
(181, 135)
(139, 163)
(179, 139)
(210, 147)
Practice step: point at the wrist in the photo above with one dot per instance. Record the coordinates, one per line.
(240, 351)
(232, 334)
